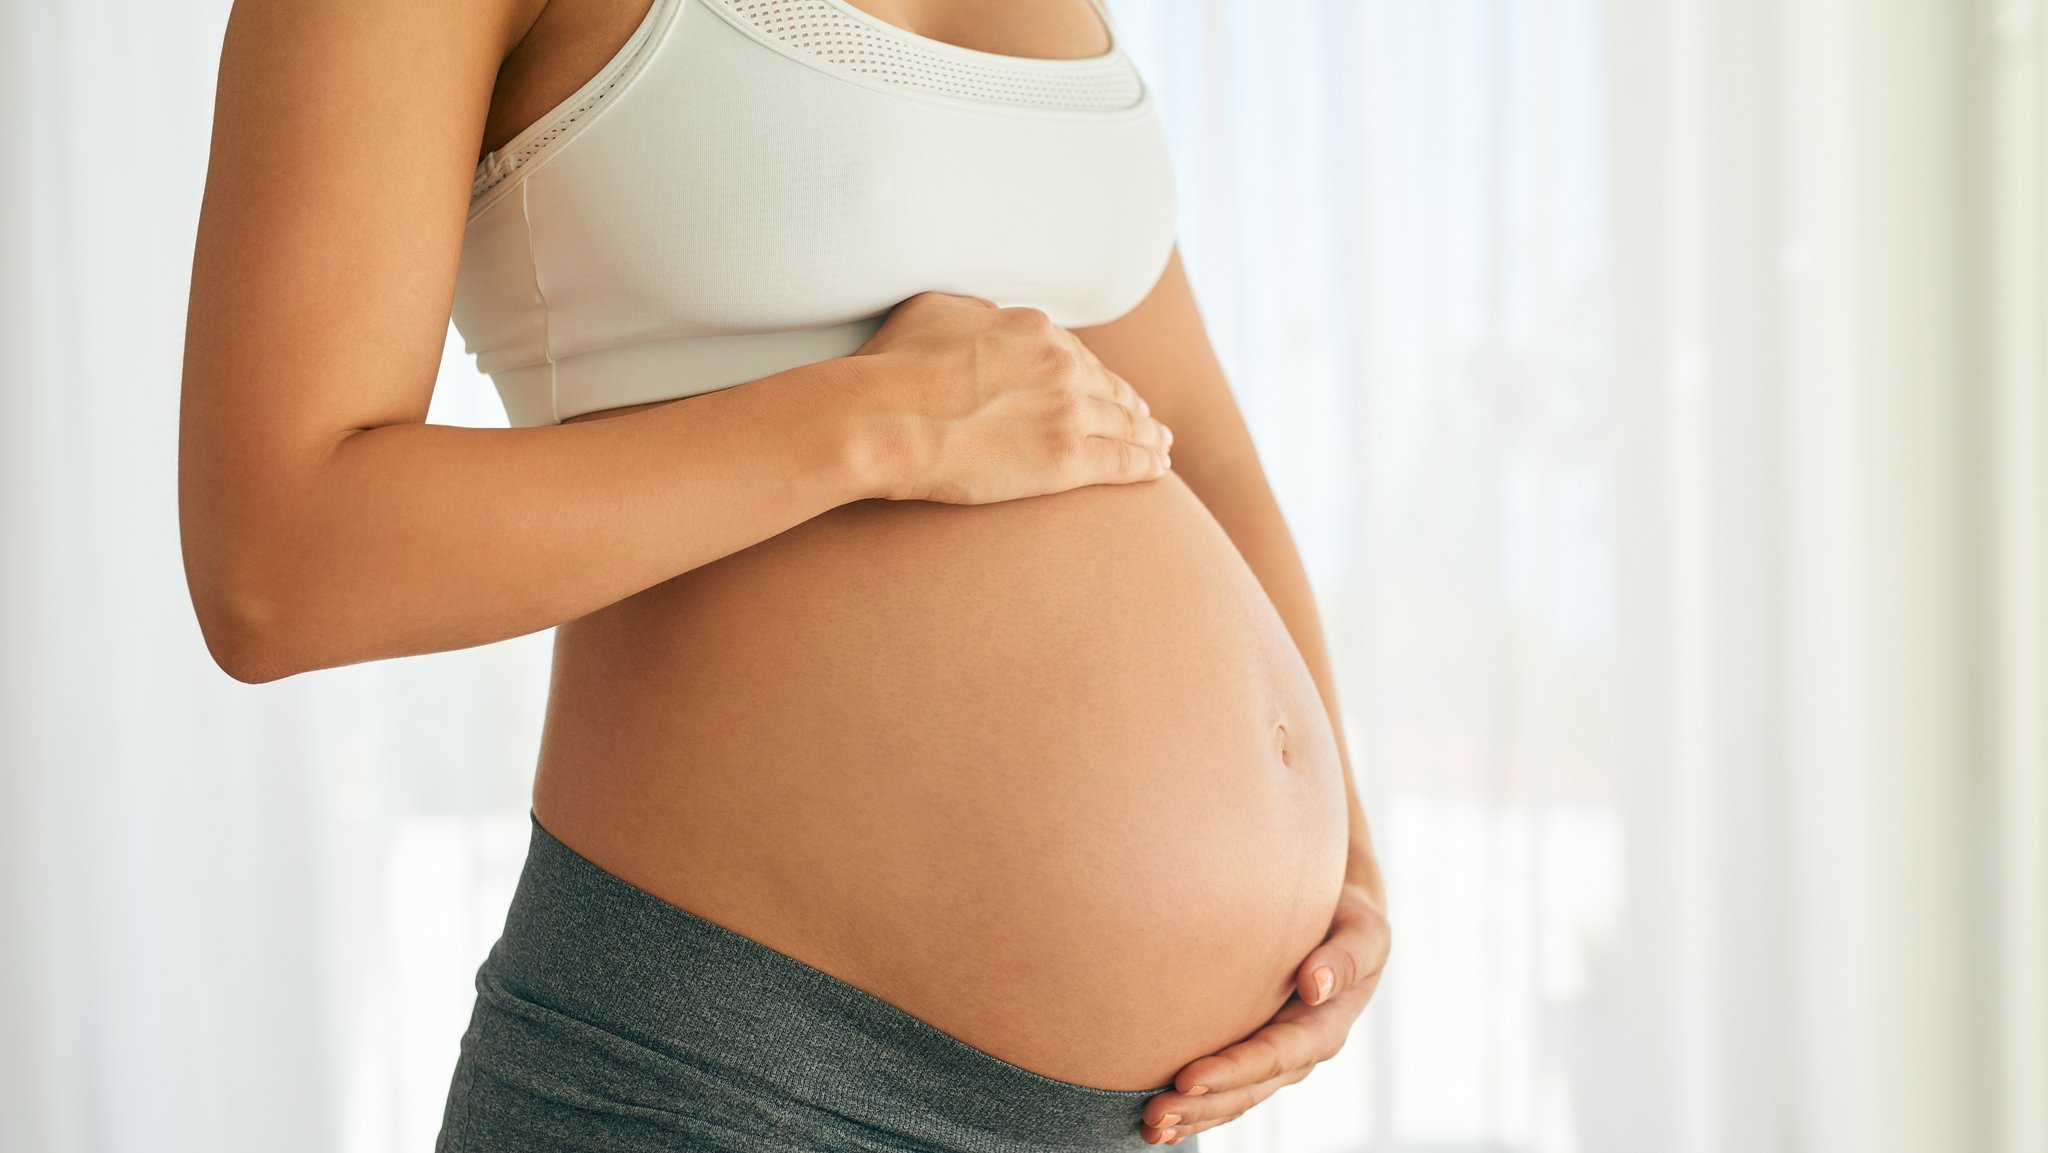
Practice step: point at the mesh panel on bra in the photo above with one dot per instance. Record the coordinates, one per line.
(843, 40)
(495, 167)
(501, 163)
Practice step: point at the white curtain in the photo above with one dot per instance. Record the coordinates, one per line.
(1654, 387)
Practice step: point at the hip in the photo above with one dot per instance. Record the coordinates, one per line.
(609, 1020)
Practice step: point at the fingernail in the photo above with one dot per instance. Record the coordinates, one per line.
(1143, 407)
(1166, 460)
(1169, 1121)
(1168, 432)
(1198, 1090)
(1323, 983)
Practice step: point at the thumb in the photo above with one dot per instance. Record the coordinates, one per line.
(1329, 968)
(1354, 951)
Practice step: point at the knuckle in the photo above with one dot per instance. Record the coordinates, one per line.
(1344, 969)
(1264, 1057)
(1366, 963)
(1068, 412)
(1342, 962)
(1029, 317)
(1065, 440)
(1059, 359)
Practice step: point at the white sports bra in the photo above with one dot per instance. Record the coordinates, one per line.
(751, 185)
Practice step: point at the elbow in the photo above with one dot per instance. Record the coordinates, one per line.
(245, 570)
(248, 638)
(250, 664)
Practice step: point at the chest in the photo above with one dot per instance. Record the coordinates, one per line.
(745, 184)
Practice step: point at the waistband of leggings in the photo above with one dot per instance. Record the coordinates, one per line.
(591, 945)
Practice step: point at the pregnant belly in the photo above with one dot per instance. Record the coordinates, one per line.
(1049, 774)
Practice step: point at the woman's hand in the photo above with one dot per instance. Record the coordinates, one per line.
(988, 404)
(1331, 988)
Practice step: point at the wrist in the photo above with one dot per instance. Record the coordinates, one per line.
(877, 445)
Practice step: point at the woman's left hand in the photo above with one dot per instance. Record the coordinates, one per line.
(1331, 988)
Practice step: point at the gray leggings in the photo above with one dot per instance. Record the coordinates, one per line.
(609, 1020)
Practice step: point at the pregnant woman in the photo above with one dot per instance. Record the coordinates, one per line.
(930, 762)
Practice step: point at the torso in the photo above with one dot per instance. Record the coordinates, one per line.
(1049, 774)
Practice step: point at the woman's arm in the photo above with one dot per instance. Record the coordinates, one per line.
(323, 521)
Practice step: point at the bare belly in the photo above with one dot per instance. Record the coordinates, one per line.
(1049, 774)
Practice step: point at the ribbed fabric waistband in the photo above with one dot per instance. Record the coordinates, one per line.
(803, 1045)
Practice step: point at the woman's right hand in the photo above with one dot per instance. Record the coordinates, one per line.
(1000, 403)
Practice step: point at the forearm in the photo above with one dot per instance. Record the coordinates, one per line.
(415, 538)
(1240, 499)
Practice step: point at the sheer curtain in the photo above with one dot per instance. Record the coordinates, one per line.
(1655, 390)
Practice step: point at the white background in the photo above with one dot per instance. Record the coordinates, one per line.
(1654, 388)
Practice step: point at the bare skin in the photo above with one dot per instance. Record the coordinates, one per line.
(1115, 729)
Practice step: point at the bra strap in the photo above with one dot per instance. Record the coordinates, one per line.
(1102, 10)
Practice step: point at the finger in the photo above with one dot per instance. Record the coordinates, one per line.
(1329, 969)
(1108, 418)
(1081, 346)
(1112, 419)
(1221, 1108)
(1354, 952)
(1119, 389)
(933, 294)
(1115, 460)
(1108, 381)
(1129, 398)
(1292, 1040)
(1121, 392)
